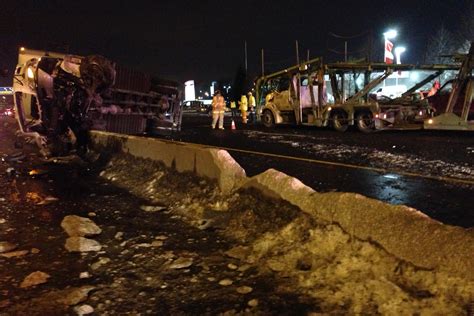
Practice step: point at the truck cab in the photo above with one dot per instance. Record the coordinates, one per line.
(295, 95)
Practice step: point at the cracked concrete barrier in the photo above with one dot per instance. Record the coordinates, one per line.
(402, 231)
(216, 164)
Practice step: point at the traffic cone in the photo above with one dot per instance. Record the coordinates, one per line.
(232, 125)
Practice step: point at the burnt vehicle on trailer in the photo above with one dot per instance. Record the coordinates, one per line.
(59, 98)
(327, 95)
(454, 102)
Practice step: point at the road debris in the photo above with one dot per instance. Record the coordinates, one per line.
(14, 254)
(34, 279)
(83, 310)
(152, 208)
(181, 263)
(6, 246)
(82, 244)
(76, 226)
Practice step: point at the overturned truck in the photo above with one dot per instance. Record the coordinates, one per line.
(59, 98)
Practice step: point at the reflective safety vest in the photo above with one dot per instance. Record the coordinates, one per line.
(218, 103)
(243, 103)
(232, 105)
(252, 101)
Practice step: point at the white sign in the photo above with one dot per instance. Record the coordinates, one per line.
(189, 91)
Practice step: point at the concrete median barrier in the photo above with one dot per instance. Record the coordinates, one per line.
(402, 231)
(211, 163)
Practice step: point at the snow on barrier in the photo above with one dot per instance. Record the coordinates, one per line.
(211, 163)
(402, 231)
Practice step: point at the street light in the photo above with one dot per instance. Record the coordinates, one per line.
(398, 53)
(390, 34)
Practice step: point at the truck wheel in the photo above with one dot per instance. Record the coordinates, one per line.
(365, 122)
(339, 121)
(267, 119)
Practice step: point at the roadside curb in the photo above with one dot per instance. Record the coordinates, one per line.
(402, 231)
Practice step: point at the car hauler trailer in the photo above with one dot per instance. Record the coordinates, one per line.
(300, 95)
(455, 107)
(60, 97)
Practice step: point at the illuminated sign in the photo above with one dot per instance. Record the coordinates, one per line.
(189, 92)
(6, 90)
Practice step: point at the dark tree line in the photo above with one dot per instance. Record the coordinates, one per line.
(446, 42)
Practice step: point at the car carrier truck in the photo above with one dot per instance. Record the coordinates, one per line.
(318, 94)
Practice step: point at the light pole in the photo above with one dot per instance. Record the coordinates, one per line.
(398, 54)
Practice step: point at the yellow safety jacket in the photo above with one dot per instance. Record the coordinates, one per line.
(252, 101)
(243, 103)
(232, 105)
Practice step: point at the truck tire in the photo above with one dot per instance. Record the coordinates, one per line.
(365, 122)
(340, 121)
(267, 119)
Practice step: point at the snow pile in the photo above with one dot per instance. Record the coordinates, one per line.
(345, 274)
(311, 259)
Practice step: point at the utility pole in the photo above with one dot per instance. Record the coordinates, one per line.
(369, 53)
(345, 51)
(246, 65)
(307, 55)
(297, 54)
(263, 63)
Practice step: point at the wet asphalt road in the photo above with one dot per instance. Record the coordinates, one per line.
(450, 202)
(134, 277)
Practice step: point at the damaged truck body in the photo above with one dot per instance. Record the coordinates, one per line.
(59, 98)
(340, 95)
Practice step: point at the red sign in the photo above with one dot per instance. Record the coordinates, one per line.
(388, 56)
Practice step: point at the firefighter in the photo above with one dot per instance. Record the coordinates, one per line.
(218, 106)
(233, 108)
(252, 104)
(243, 108)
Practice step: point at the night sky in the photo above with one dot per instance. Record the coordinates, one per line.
(204, 40)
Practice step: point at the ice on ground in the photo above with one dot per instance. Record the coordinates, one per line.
(371, 157)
